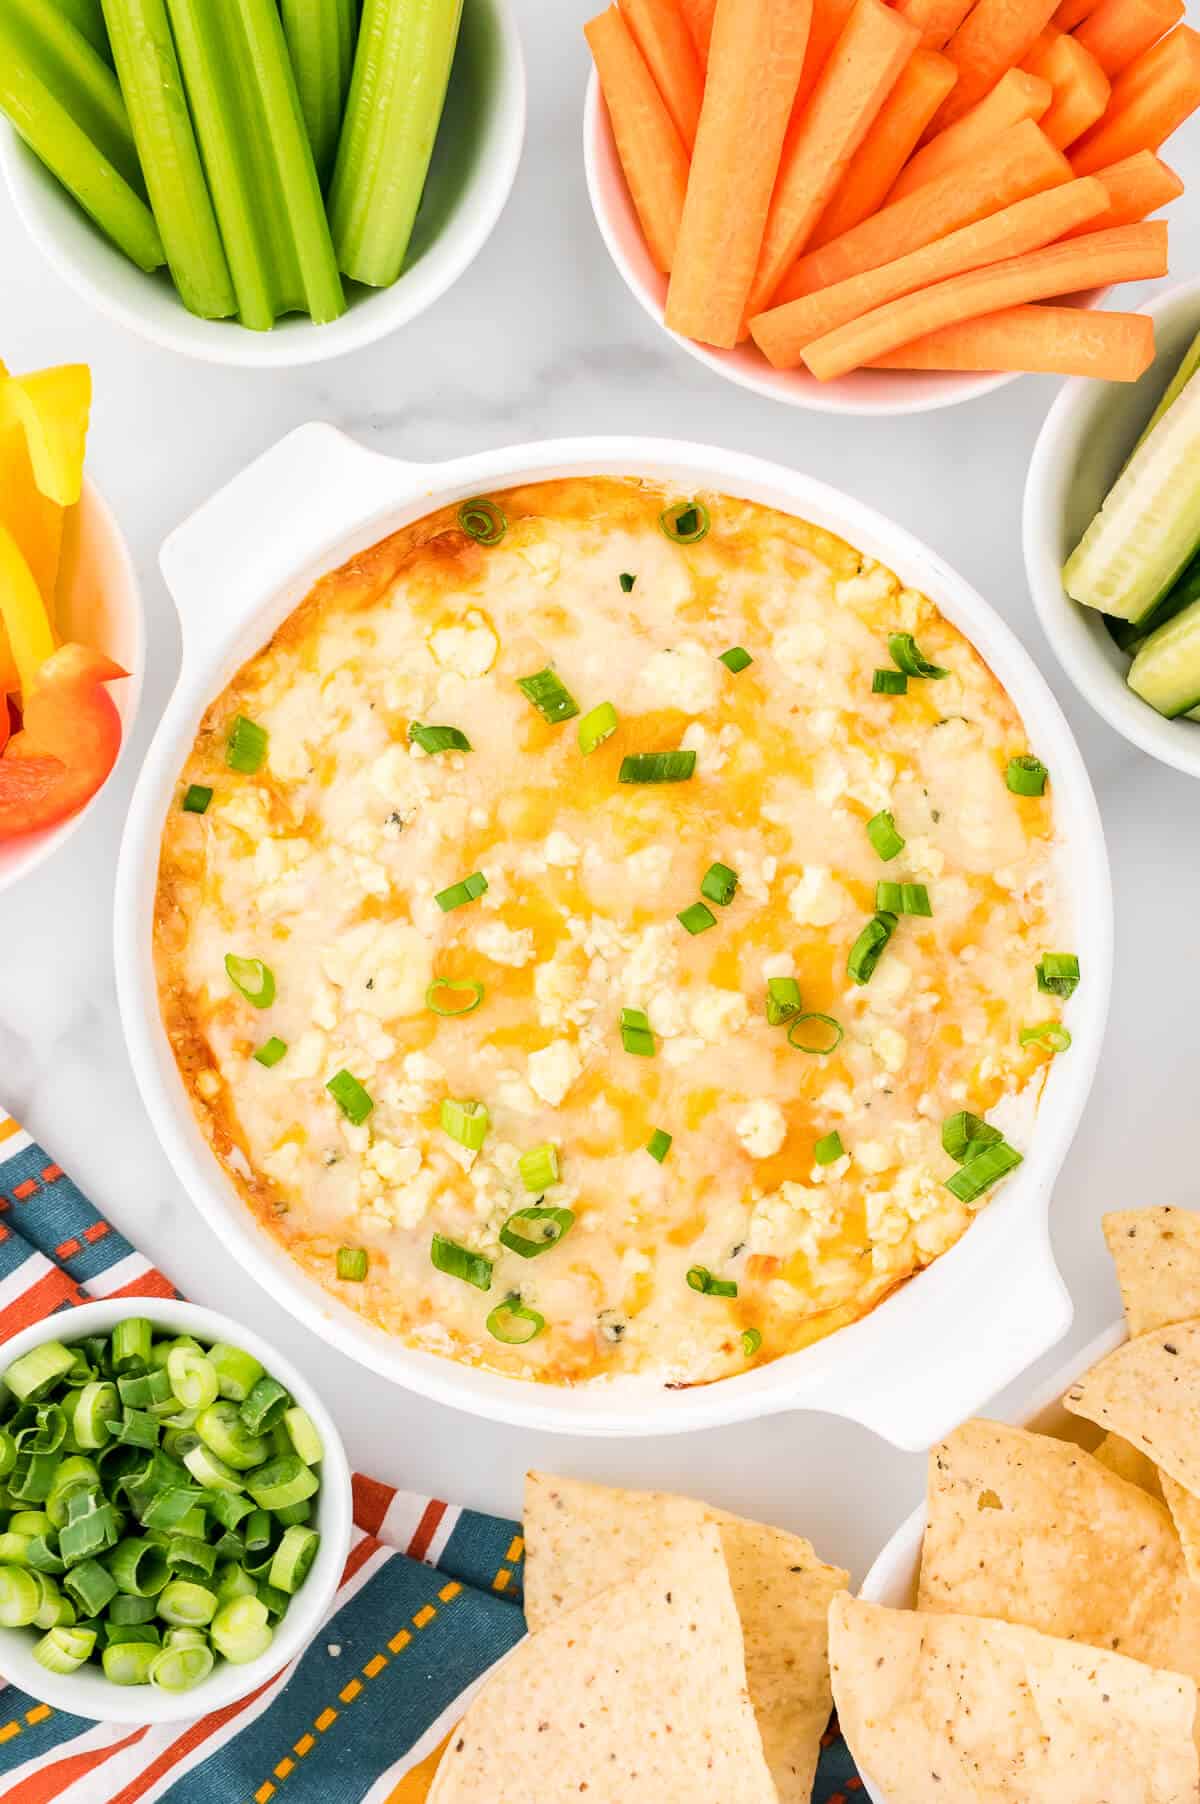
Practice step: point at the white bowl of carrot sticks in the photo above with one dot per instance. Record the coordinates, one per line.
(315, 172)
(863, 208)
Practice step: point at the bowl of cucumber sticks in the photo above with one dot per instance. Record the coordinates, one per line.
(260, 182)
(1112, 539)
(175, 1511)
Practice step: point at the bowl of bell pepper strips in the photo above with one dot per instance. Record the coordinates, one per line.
(71, 630)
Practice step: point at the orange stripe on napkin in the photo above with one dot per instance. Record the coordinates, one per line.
(54, 1288)
(414, 1787)
(51, 1781)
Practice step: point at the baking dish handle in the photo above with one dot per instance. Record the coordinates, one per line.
(307, 496)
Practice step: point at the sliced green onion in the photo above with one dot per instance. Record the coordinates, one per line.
(91, 1528)
(276, 1600)
(736, 658)
(697, 917)
(751, 1342)
(982, 1171)
(438, 739)
(468, 890)
(271, 1051)
(64, 1650)
(293, 1558)
(1058, 974)
(187, 1605)
(128, 1662)
(281, 1482)
(1026, 775)
(221, 1428)
(868, 947)
(226, 1508)
(20, 1597)
(241, 1631)
(459, 1262)
(890, 896)
(237, 1371)
(90, 1586)
(137, 1428)
(1055, 1035)
(783, 1000)
(169, 1508)
(350, 1097)
(189, 1557)
(719, 884)
(659, 1144)
(352, 1264)
(465, 987)
(597, 725)
(685, 522)
(265, 1405)
(255, 980)
(829, 1148)
(964, 1134)
(30, 1377)
(902, 899)
(700, 1278)
(539, 1167)
(304, 1435)
(465, 1122)
(196, 798)
(482, 520)
(636, 1036)
(14, 1547)
(181, 1668)
(889, 682)
(534, 1230)
(8, 1452)
(514, 1324)
(908, 657)
(209, 1470)
(657, 767)
(146, 1390)
(626, 581)
(552, 699)
(805, 1042)
(246, 746)
(881, 831)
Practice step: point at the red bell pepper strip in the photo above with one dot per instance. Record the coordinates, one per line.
(68, 743)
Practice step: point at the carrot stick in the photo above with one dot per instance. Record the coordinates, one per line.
(660, 34)
(1081, 89)
(829, 18)
(784, 332)
(1072, 12)
(1020, 163)
(1128, 254)
(1138, 186)
(858, 78)
(1056, 341)
(754, 63)
(936, 20)
(920, 90)
(1150, 98)
(995, 36)
(650, 148)
(1016, 96)
(1119, 30)
(698, 17)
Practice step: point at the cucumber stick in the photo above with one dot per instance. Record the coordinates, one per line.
(86, 16)
(1166, 671)
(264, 181)
(75, 71)
(47, 125)
(320, 37)
(401, 72)
(148, 70)
(1149, 525)
(1182, 376)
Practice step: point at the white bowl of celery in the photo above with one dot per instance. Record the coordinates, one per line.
(175, 1511)
(288, 166)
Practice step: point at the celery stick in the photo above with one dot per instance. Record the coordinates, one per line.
(53, 135)
(148, 70)
(320, 38)
(86, 16)
(401, 72)
(82, 80)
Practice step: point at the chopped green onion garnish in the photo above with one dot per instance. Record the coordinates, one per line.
(271, 1051)
(686, 522)
(246, 746)
(907, 656)
(553, 701)
(627, 581)
(902, 898)
(539, 1167)
(255, 980)
(481, 519)
(636, 1036)
(804, 1043)
(700, 1278)
(302, 1432)
(783, 1000)
(469, 890)
(659, 1144)
(736, 658)
(868, 947)
(657, 767)
(64, 1650)
(698, 917)
(533, 1230)
(1026, 776)
(719, 884)
(881, 831)
(466, 987)
(352, 1264)
(35, 1373)
(293, 1558)
(1056, 1036)
(889, 682)
(1058, 974)
(829, 1148)
(980, 1172)
(597, 725)
(459, 1262)
(751, 1342)
(265, 1405)
(237, 1371)
(964, 1134)
(350, 1097)
(241, 1630)
(438, 739)
(890, 896)
(196, 798)
(131, 1341)
(514, 1324)
(466, 1122)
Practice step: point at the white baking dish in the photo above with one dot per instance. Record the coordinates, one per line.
(939, 1346)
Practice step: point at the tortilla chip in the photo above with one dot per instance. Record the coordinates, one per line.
(1149, 1391)
(1129, 1464)
(1185, 1514)
(1035, 1531)
(636, 1697)
(1157, 1256)
(976, 1712)
(581, 1537)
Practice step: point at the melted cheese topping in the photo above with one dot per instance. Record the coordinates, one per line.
(325, 865)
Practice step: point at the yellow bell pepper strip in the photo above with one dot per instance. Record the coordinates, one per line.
(53, 407)
(26, 622)
(69, 739)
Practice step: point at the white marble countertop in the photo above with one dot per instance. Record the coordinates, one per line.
(540, 338)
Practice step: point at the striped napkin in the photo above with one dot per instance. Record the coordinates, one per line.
(429, 1600)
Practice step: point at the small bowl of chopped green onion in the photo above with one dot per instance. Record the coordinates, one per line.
(175, 1511)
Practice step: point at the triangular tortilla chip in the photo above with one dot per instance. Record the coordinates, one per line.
(1149, 1391)
(1035, 1531)
(1129, 1464)
(975, 1712)
(1185, 1514)
(581, 1537)
(636, 1697)
(1157, 1256)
